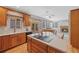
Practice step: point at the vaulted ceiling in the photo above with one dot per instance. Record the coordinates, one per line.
(54, 13)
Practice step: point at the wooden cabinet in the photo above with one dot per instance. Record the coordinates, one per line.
(5, 11)
(54, 50)
(74, 17)
(21, 38)
(29, 40)
(5, 42)
(13, 39)
(17, 39)
(9, 41)
(38, 47)
(27, 20)
(3, 16)
(0, 44)
(35, 46)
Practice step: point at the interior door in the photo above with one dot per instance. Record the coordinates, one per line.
(0, 44)
(75, 28)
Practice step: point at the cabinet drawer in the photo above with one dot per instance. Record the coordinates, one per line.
(34, 50)
(39, 44)
(38, 49)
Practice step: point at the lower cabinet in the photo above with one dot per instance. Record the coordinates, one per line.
(21, 38)
(29, 45)
(13, 39)
(35, 46)
(5, 42)
(38, 47)
(10, 41)
(0, 44)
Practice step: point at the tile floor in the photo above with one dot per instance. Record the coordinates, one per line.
(19, 49)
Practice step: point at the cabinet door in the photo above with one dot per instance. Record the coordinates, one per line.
(21, 38)
(0, 43)
(29, 40)
(13, 40)
(5, 43)
(9, 42)
(75, 28)
(3, 16)
(26, 20)
(38, 47)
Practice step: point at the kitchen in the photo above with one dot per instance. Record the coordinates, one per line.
(28, 32)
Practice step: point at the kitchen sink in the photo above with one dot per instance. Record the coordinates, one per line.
(43, 38)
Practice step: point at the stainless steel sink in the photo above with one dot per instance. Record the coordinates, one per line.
(43, 38)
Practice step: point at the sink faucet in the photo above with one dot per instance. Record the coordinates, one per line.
(62, 37)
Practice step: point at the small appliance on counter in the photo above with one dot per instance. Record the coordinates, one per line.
(27, 33)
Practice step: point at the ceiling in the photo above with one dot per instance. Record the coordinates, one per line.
(54, 13)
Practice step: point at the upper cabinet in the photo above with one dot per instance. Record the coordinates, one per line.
(3, 16)
(27, 20)
(74, 16)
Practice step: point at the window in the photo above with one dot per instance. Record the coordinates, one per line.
(12, 23)
(15, 22)
(18, 23)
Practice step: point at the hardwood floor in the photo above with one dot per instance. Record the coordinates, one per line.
(19, 49)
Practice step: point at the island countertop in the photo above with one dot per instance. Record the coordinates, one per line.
(56, 42)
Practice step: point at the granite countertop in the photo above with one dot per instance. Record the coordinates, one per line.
(10, 33)
(56, 42)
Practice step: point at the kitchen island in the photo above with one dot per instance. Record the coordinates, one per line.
(44, 44)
